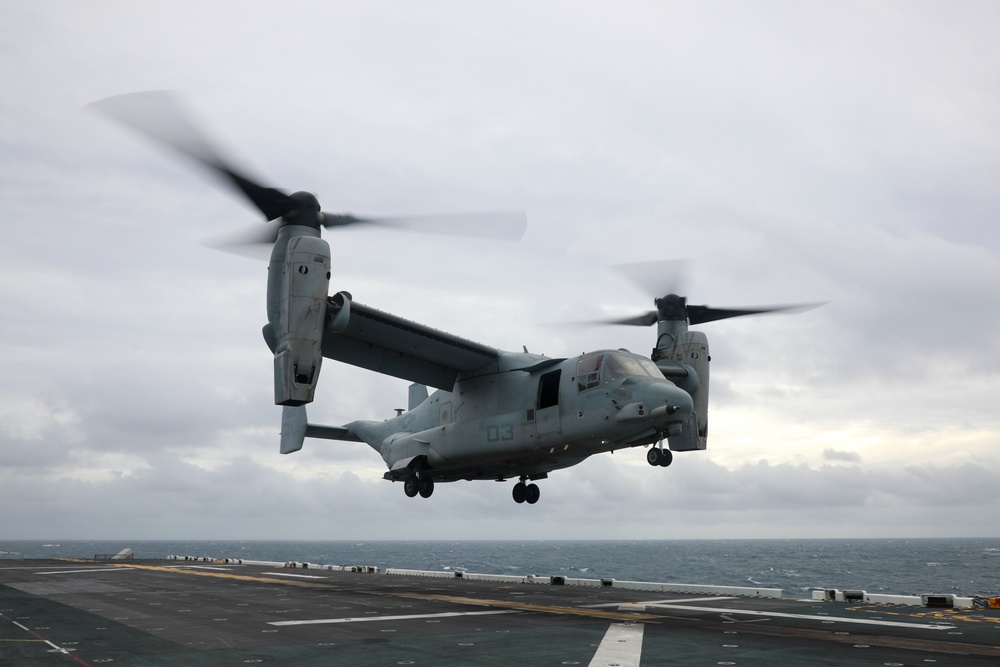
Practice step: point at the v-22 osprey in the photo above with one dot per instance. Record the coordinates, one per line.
(494, 415)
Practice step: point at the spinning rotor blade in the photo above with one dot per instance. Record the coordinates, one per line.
(661, 279)
(644, 320)
(657, 277)
(702, 314)
(156, 115)
(251, 235)
(501, 225)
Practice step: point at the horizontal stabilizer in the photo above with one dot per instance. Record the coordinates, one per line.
(295, 428)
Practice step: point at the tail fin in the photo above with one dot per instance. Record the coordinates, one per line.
(418, 394)
(295, 428)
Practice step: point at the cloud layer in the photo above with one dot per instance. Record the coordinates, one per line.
(796, 152)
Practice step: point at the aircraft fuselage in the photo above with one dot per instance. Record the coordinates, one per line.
(525, 424)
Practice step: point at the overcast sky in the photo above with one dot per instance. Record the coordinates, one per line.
(792, 151)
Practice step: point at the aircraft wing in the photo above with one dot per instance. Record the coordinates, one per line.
(385, 343)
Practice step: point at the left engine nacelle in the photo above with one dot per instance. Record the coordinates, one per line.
(300, 320)
(685, 362)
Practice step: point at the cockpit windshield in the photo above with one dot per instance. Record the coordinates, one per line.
(621, 365)
(599, 369)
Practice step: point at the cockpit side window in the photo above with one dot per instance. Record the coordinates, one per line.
(588, 372)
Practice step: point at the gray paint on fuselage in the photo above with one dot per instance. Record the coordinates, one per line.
(491, 426)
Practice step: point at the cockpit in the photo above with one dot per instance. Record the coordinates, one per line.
(603, 367)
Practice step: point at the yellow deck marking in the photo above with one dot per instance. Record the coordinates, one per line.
(950, 615)
(504, 604)
(227, 575)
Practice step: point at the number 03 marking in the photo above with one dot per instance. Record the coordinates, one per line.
(498, 433)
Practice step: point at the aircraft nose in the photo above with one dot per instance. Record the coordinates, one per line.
(673, 401)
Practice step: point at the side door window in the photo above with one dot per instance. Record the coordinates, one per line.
(548, 389)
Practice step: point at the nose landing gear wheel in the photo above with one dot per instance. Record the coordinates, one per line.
(659, 457)
(411, 486)
(426, 487)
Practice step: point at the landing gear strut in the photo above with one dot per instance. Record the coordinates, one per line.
(657, 456)
(526, 492)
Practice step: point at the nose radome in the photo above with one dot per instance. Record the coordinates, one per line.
(677, 401)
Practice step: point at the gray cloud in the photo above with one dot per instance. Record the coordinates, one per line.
(796, 153)
(837, 455)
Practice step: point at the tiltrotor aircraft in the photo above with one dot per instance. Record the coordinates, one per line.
(495, 414)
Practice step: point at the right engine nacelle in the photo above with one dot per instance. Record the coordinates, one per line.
(300, 320)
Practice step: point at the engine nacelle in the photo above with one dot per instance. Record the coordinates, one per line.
(300, 320)
(686, 364)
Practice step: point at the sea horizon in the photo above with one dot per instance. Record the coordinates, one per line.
(904, 566)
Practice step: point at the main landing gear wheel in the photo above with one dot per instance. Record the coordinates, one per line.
(659, 457)
(520, 493)
(411, 486)
(426, 487)
(533, 494)
(529, 493)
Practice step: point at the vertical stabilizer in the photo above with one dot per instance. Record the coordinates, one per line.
(293, 428)
(418, 394)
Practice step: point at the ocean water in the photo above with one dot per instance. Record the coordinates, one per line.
(969, 566)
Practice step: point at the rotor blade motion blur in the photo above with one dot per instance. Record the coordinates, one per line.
(656, 277)
(661, 279)
(158, 116)
(703, 314)
(644, 320)
(501, 225)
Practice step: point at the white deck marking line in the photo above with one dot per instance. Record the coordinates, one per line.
(754, 620)
(102, 569)
(621, 646)
(407, 617)
(32, 567)
(55, 647)
(711, 598)
(704, 599)
(806, 617)
(200, 567)
(288, 574)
